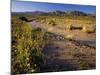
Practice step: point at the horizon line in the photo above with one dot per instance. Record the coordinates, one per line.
(52, 11)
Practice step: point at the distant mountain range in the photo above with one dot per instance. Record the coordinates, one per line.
(77, 13)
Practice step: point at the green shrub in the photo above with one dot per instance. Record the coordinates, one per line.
(23, 18)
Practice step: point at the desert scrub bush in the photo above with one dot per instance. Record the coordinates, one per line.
(50, 29)
(81, 58)
(22, 32)
(84, 65)
(27, 45)
(70, 37)
(38, 44)
(52, 22)
(89, 29)
(23, 18)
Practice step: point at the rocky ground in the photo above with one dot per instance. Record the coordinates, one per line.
(65, 55)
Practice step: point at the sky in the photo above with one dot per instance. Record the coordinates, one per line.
(27, 6)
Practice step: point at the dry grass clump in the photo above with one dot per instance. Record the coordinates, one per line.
(85, 57)
(50, 29)
(70, 37)
(89, 29)
(52, 22)
(42, 21)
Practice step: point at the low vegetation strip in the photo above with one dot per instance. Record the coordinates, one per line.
(27, 45)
